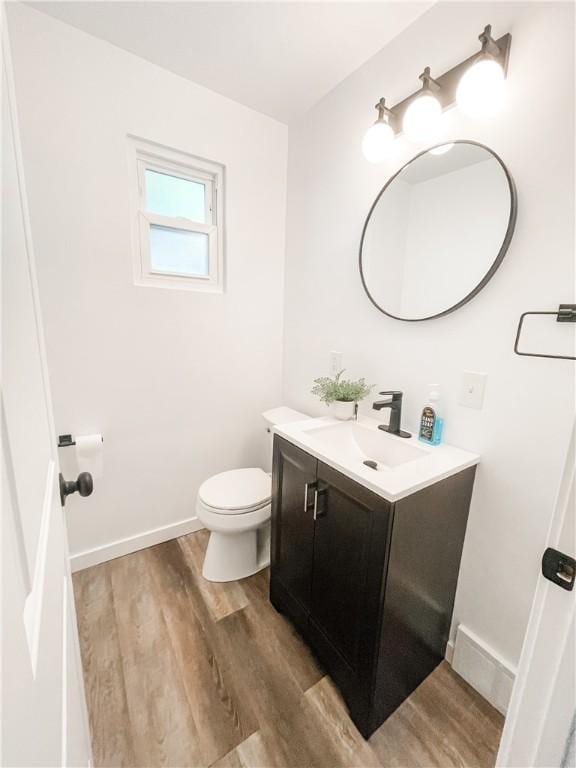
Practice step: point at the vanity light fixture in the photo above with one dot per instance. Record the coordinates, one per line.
(422, 117)
(476, 85)
(378, 139)
(480, 91)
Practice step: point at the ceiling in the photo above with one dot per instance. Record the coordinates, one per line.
(279, 58)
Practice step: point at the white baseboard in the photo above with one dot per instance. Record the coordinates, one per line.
(106, 552)
(481, 667)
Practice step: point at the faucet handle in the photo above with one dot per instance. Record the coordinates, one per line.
(396, 394)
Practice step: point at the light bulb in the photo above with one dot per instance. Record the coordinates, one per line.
(480, 91)
(377, 143)
(442, 149)
(422, 118)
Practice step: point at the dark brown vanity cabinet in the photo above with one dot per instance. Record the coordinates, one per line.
(369, 584)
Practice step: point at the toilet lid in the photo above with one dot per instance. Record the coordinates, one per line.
(237, 490)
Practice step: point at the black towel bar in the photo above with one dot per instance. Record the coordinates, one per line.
(566, 313)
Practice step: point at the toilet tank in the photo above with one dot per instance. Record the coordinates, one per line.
(280, 415)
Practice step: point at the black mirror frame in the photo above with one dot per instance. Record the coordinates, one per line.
(495, 264)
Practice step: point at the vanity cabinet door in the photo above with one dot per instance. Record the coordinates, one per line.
(351, 542)
(293, 487)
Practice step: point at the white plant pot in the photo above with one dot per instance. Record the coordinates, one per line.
(344, 410)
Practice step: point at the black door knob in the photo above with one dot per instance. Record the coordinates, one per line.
(83, 484)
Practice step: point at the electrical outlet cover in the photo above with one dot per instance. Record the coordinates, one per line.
(335, 362)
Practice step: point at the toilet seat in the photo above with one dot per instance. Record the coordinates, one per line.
(236, 492)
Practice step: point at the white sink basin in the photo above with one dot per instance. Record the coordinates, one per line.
(403, 465)
(359, 442)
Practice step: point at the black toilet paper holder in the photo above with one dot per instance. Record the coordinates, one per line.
(66, 440)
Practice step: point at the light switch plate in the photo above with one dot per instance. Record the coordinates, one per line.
(335, 363)
(472, 391)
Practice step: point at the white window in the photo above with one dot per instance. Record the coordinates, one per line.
(178, 218)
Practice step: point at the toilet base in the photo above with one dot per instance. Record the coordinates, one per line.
(234, 556)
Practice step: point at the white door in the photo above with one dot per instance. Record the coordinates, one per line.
(539, 728)
(43, 715)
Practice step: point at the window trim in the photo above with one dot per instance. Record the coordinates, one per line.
(147, 155)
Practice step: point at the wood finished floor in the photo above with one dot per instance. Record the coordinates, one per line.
(181, 672)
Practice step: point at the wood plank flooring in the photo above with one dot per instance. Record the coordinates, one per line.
(182, 672)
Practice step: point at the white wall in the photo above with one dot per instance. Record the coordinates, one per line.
(175, 380)
(522, 432)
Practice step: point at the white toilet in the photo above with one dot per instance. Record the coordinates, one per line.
(235, 507)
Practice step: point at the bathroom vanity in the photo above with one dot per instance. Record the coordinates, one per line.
(364, 561)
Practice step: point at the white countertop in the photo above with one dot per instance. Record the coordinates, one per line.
(339, 448)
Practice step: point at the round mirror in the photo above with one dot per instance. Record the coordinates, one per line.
(437, 231)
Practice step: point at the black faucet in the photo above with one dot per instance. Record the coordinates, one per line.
(395, 405)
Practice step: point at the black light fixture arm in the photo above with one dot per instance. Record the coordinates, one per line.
(383, 112)
(428, 82)
(489, 45)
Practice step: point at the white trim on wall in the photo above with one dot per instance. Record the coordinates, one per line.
(133, 543)
(482, 667)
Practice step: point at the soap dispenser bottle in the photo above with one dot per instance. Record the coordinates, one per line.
(431, 421)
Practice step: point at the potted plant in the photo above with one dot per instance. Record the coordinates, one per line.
(344, 394)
